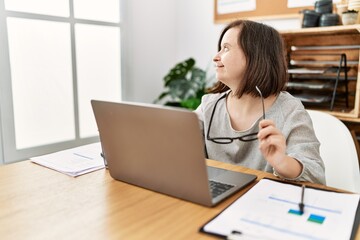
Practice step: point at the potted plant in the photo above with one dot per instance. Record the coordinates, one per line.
(349, 17)
(185, 84)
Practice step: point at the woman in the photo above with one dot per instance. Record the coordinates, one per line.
(247, 118)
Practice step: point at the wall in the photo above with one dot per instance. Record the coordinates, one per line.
(160, 33)
(149, 38)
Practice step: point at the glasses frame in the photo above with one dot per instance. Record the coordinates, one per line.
(227, 140)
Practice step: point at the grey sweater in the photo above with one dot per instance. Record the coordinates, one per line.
(289, 116)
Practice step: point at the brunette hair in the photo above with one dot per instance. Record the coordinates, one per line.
(266, 65)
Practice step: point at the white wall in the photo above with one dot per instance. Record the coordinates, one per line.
(160, 33)
(149, 38)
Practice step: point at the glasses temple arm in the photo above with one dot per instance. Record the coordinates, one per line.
(262, 101)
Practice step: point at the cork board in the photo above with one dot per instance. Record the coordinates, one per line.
(226, 10)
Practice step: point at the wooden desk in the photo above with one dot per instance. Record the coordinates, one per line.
(38, 203)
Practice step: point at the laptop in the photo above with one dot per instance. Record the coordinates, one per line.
(162, 149)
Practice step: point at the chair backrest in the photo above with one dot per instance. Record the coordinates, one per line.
(338, 151)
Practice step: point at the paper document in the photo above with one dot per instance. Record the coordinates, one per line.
(233, 6)
(270, 210)
(305, 71)
(74, 161)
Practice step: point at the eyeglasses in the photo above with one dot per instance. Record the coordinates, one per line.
(227, 140)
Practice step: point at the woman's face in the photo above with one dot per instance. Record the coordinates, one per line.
(230, 61)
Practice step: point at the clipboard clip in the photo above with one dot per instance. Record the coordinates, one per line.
(235, 235)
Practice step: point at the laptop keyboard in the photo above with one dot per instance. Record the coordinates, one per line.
(218, 188)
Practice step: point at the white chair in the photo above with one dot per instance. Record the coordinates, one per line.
(338, 151)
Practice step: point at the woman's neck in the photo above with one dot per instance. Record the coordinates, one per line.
(246, 110)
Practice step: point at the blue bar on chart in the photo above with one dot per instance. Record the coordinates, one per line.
(295, 212)
(316, 218)
(312, 218)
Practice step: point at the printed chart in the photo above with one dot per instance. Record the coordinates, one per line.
(270, 210)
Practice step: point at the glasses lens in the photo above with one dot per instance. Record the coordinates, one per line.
(221, 140)
(249, 137)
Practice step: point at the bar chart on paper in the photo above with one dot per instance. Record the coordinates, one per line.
(270, 210)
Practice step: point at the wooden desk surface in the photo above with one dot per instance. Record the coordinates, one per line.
(39, 203)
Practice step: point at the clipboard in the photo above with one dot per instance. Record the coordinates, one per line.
(312, 192)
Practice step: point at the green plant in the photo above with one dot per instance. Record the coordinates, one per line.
(185, 84)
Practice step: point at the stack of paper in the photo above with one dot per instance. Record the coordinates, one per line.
(74, 161)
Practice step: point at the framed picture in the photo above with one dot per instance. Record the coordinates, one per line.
(228, 10)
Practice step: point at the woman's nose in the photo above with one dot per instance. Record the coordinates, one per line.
(216, 57)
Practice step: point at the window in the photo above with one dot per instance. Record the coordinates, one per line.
(57, 56)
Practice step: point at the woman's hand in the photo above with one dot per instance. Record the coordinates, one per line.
(272, 145)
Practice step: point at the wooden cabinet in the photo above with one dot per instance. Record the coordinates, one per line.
(323, 68)
(320, 83)
(314, 54)
(315, 59)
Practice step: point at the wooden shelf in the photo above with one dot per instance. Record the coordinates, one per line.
(332, 30)
(315, 47)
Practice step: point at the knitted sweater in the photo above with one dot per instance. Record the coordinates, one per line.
(289, 116)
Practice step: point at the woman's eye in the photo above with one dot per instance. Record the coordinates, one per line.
(225, 49)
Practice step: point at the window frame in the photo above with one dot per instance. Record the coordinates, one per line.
(8, 151)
